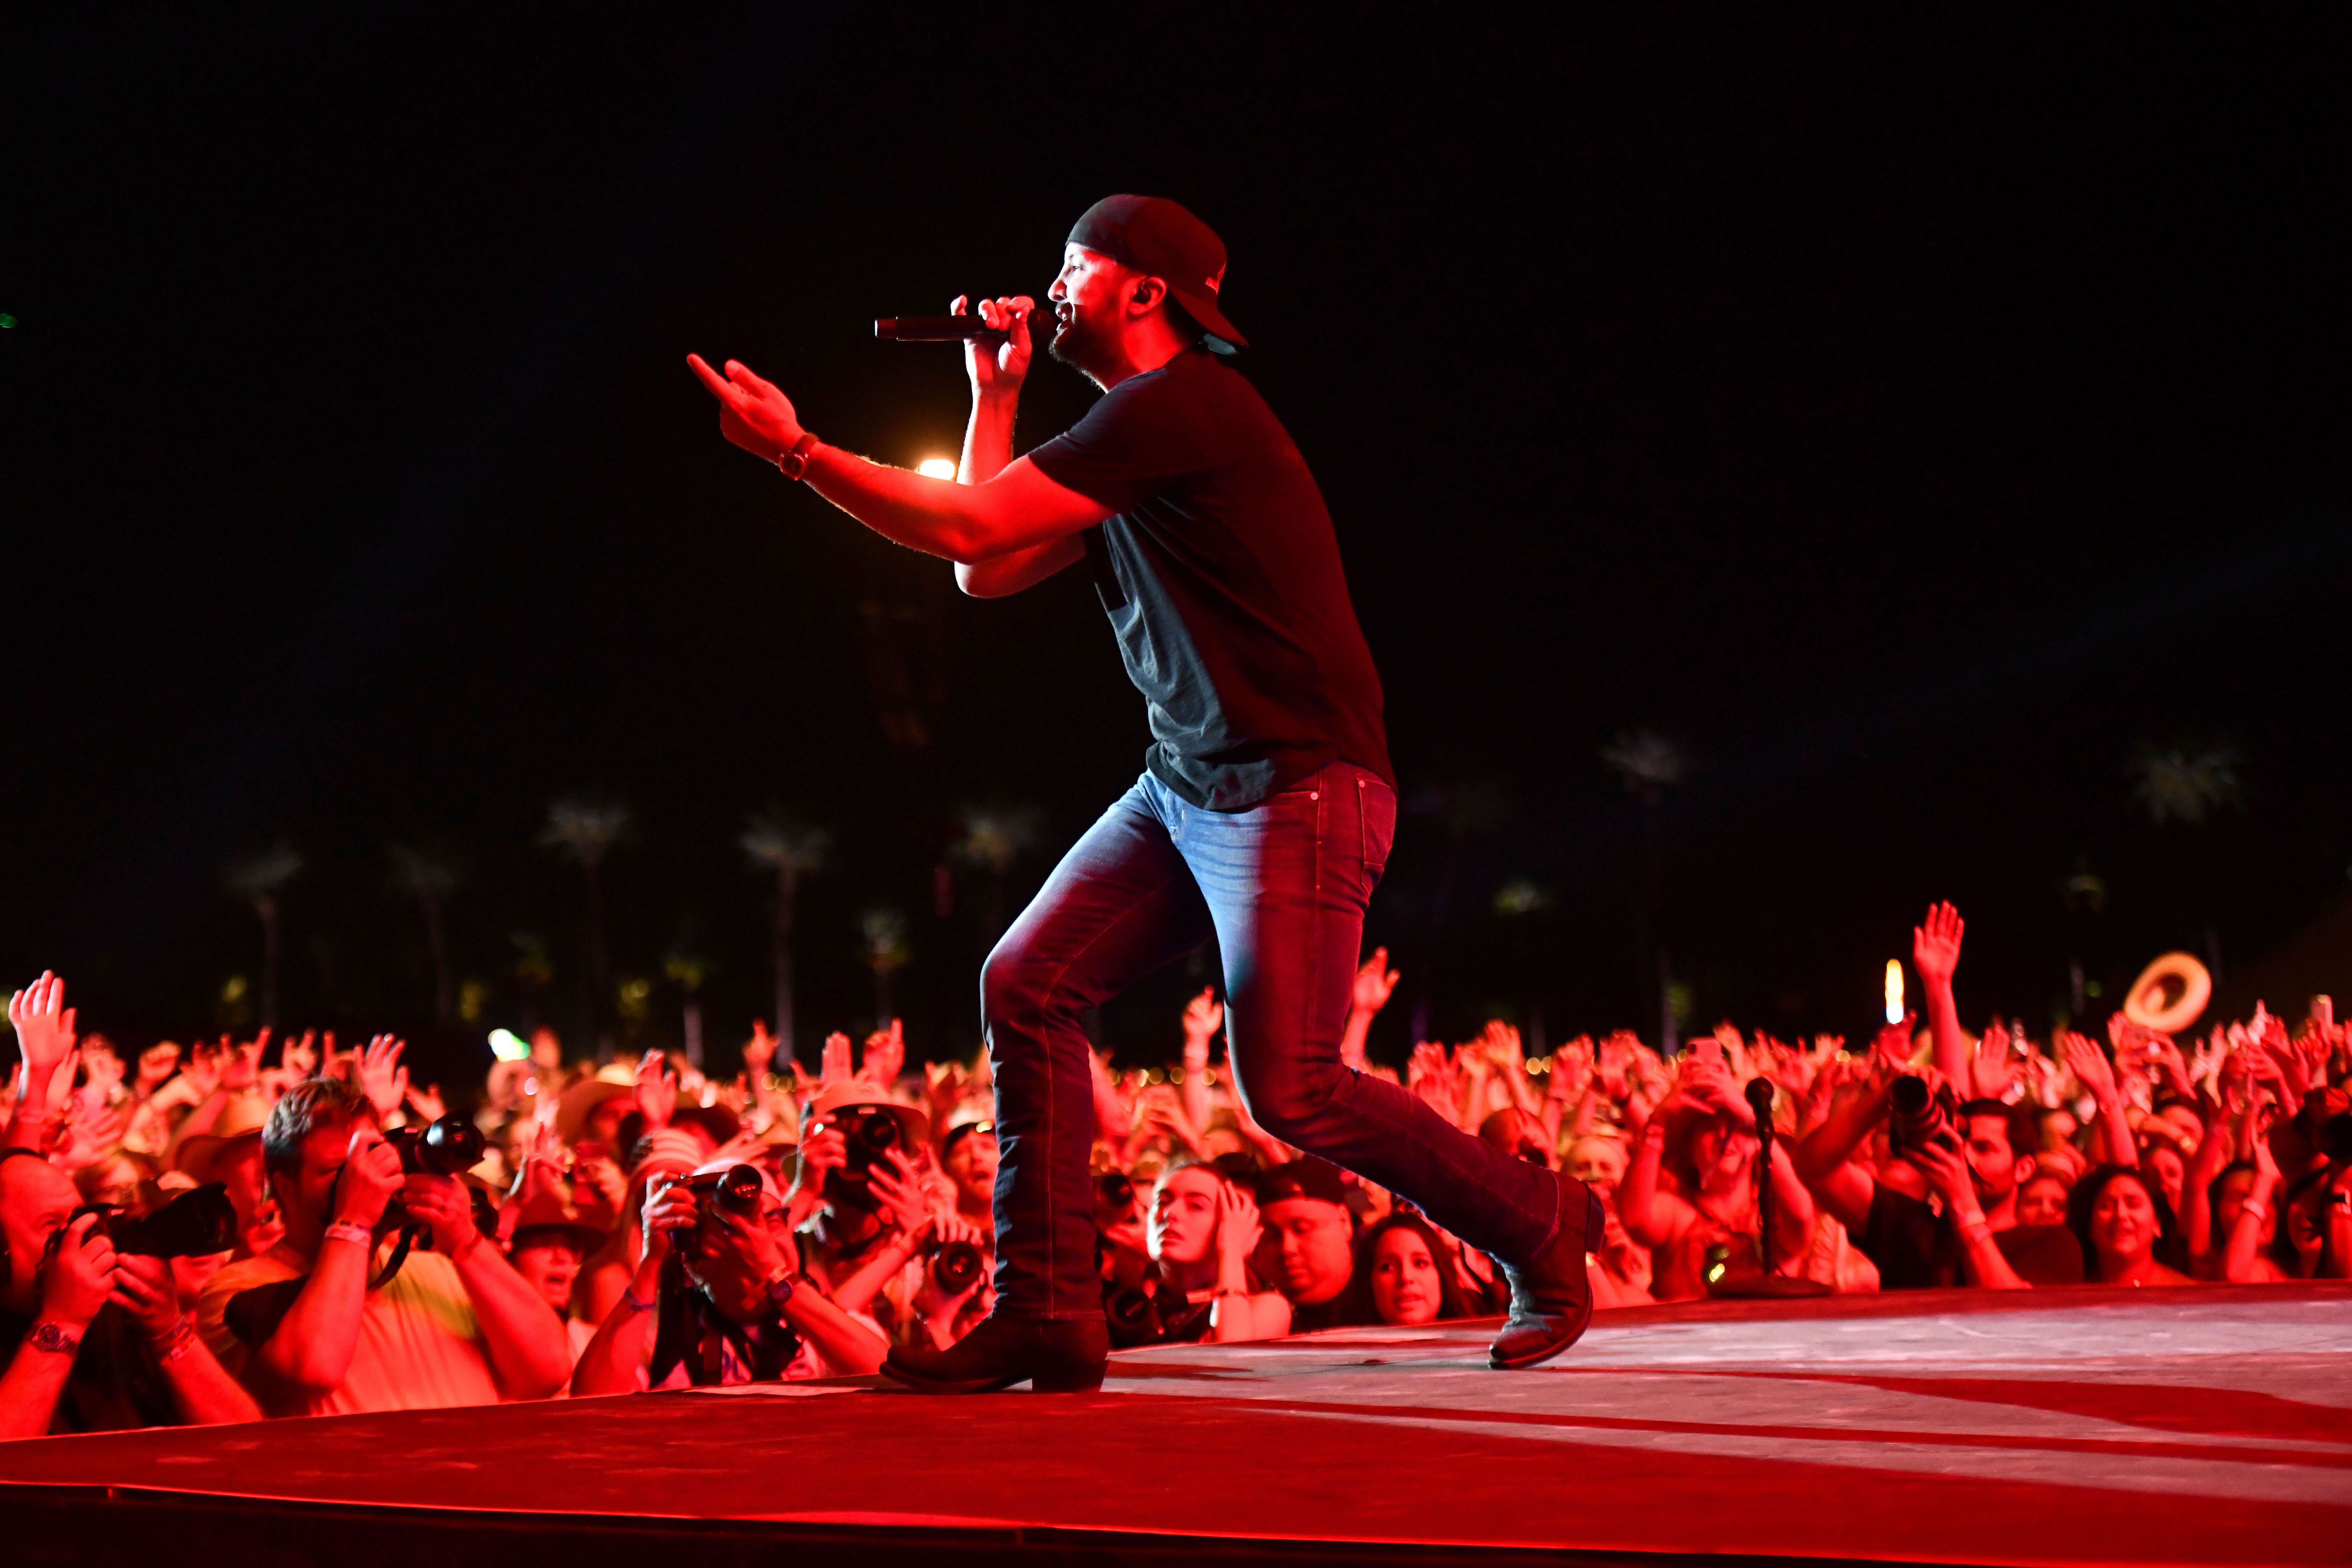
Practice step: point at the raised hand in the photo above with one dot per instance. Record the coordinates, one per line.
(997, 368)
(894, 1180)
(1203, 1017)
(381, 1078)
(656, 1091)
(1375, 982)
(157, 1063)
(759, 1051)
(1935, 945)
(833, 1065)
(1893, 1047)
(44, 1028)
(885, 1055)
(241, 1068)
(425, 1104)
(752, 413)
(2089, 1066)
(298, 1059)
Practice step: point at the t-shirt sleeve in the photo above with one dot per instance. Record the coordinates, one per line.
(1143, 434)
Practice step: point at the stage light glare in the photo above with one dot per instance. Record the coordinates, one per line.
(937, 467)
(508, 1046)
(1894, 990)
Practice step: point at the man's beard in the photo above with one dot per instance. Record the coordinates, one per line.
(1076, 344)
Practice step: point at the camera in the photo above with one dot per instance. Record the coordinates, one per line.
(193, 1224)
(957, 1267)
(444, 1148)
(735, 1189)
(1915, 1116)
(868, 1133)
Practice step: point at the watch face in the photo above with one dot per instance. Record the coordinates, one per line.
(49, 1337)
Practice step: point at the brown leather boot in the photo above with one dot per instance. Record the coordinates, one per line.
(1551, 1295)
(1052, 1355)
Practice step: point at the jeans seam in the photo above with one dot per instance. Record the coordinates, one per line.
(1053, 1130)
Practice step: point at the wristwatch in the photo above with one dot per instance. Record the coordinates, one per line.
(794, 463)
(55, 1340)
(780, 1286)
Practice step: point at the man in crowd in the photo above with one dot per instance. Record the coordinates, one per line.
(308, 1330)
(734, 1308)
(93, 1340)
(1944, 1211)
(1310, 1240)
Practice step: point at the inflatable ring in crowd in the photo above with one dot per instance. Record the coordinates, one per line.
(2169, 994)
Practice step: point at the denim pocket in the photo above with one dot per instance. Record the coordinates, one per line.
(1375, 826)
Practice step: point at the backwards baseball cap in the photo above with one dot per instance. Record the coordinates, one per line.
(1306, 1177)
(1156, 236)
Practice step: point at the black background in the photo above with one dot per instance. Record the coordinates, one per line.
(1911, 414)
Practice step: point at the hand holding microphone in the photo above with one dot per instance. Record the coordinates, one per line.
(998, 360)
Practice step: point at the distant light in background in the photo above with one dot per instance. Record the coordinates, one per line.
(508, 1046)
(1894, 990)
(937, 467)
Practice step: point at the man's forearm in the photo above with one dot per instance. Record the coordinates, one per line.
(622, 1347)
(202, 1389)
(934, 516)
(1951, 1045)
(312, 1345)
(29, 1390)
(988, 438)
(528, 1346)
(1833, 1144)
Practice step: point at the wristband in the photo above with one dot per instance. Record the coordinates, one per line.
(54, 1338)
(794, 463)
(351, 1230)
(635, 1305)
(2253, 1206)
(178, 1343)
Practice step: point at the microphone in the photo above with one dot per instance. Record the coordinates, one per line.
(934, 329)
(1759, 1100)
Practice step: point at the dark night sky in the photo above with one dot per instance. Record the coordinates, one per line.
(1911, 414)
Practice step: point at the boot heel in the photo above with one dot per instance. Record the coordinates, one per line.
(1067, 1380)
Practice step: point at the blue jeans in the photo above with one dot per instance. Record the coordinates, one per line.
(1283, 887)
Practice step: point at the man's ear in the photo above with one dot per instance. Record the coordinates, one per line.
(2022, 1170)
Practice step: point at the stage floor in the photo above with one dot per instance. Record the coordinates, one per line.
(2193, 1426)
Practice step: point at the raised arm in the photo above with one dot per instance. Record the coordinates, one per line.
(1017, 509)
(312, 1345)
(1936, 954)
(1823, 1158)
(2089, 1066)
(524, 1338)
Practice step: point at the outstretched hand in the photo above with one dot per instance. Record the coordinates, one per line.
(753, 413)
(1935, 945)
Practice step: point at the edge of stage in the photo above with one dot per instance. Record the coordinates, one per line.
(2189, 1425)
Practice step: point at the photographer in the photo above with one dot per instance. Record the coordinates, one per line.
(93, 1340)
(718, 1298)
(1942, 1209)
(308, 1330)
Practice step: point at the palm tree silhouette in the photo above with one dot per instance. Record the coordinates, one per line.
(583, 830)
(429, 878)
(1651, 764)
(774, 841)
(993, 838)
(256, 881)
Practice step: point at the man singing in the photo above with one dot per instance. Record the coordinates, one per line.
(1264, 811)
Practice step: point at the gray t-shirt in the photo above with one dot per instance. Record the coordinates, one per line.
(1222, 577)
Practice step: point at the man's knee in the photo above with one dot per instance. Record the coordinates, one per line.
(1292, 1103)
(1014, 987)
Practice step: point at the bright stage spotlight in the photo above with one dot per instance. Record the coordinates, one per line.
(937, 467)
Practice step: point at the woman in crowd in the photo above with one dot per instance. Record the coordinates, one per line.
(1401, 1276)
(2126, 1229)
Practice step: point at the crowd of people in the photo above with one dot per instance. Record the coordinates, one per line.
(246, 1229)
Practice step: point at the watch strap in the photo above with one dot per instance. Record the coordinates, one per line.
(794, 463)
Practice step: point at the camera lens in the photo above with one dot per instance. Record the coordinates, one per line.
(957, 1267)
